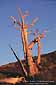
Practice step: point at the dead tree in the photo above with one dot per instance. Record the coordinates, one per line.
(37, 40)
(32, 69)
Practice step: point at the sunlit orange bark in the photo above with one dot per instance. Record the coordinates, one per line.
(37, 40)
(27, 53)
(38, 59)
(28, 56)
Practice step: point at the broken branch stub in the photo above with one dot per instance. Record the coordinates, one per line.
(24, 72)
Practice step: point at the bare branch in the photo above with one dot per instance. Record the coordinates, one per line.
(13, 18)
(34, 21)
(26, 13)
(20, 12)
(15, 21)
(29, 32)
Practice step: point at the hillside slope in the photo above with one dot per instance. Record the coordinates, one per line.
(47, 68)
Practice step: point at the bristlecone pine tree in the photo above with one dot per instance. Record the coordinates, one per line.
(32, 68)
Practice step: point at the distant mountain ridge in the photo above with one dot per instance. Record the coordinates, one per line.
(47, 68)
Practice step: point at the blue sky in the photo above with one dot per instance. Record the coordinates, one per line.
(45, 10)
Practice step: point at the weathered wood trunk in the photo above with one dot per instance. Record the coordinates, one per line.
(38, 59)
(32, 69)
